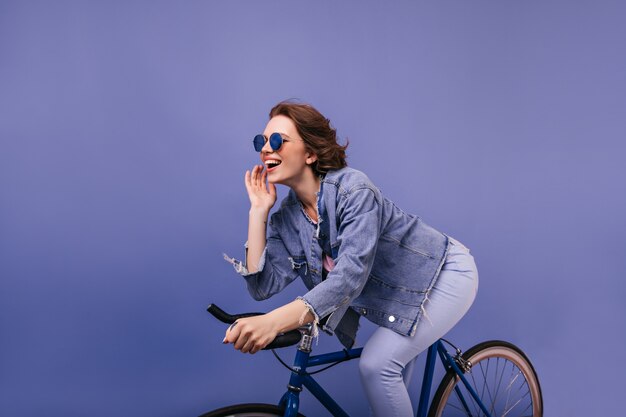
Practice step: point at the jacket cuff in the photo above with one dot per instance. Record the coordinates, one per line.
(316, 317)
(241, 268)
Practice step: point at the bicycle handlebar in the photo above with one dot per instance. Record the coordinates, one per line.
(282, 340)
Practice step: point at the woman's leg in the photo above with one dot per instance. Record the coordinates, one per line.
(387, 353)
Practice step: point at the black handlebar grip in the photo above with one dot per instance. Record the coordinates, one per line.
(224, 317)
(290, 338)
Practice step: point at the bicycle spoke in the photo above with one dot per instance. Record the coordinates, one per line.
(507, 411)
(499, 383)
(526, 394)
(486, 385)
(513, 379)
(518, 392)
(474, 404)
(462, 409)
(530, 402)
(527, 407)
(498, 375)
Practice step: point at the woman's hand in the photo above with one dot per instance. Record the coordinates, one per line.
(251, 334)
(261, 196)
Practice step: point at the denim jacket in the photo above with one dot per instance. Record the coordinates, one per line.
(386, 261)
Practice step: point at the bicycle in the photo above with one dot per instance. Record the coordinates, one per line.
(492, 379)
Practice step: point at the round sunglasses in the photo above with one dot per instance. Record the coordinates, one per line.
(276, 141)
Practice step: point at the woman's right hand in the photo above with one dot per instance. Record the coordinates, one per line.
(261, 196)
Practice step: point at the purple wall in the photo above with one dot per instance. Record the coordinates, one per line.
(125, 131)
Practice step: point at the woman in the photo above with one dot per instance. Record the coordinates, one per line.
(357, 253)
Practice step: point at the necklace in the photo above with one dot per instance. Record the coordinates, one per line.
(315, 213)
(304, 210)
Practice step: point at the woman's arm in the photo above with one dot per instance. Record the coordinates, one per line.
(266, 268)
(252, 334)
(262, 199)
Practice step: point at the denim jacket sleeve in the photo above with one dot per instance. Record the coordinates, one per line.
(275, 266)
(359, 216)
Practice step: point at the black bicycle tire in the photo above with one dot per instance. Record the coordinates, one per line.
(248, 410)
(486, 350)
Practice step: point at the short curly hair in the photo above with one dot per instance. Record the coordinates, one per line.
(320, 138)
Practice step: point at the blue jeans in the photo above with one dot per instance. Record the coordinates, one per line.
(388, 357)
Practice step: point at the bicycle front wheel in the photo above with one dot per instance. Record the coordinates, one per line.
(503, 378)
(248, 410)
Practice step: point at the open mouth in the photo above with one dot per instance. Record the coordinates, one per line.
(272, 163)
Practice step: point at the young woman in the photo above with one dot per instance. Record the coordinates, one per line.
(357, 253)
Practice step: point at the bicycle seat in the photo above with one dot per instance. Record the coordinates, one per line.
(289, 338)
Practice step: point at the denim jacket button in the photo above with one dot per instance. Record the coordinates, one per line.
(392, 319)
(364, 311)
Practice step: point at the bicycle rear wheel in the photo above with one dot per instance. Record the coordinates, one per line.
(503, 378)
(248, 410)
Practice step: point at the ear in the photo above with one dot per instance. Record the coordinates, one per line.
(311, 158)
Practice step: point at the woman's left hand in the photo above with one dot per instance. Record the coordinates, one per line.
(251, 334)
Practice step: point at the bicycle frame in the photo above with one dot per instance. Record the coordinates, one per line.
(291, 399)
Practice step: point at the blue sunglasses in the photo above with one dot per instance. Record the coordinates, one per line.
(276, 141)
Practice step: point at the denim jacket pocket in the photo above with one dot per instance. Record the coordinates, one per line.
(385, 292)
(410, 246)
(299, 264)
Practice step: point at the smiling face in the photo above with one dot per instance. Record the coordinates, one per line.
(291, 163)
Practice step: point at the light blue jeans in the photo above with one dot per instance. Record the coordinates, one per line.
(388, 357)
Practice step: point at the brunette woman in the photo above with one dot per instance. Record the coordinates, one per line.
(356, 252)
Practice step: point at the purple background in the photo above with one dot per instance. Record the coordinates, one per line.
(126, 128)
